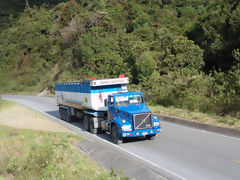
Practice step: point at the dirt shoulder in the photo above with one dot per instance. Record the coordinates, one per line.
(21, 117)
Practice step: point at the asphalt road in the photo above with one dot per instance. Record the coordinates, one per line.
(186, 152)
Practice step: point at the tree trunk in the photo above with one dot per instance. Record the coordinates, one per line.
(26, 4)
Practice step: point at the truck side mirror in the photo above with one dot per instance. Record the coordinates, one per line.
(105, 102)
(111, 100)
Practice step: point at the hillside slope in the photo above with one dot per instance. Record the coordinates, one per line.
(183, 53)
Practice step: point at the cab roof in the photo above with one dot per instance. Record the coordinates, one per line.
(126, 93)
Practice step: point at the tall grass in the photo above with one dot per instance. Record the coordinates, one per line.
(27, 154)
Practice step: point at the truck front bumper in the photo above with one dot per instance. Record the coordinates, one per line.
(142, 132)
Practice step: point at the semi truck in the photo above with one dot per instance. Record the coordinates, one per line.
(105, 105)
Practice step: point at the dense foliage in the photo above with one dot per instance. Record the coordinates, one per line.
(184, 53)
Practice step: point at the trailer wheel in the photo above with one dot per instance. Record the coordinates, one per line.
(86, 123)
(61, 113)
(151, 137)
(100, 131)
(92, 129)
(115, 136)
(64, 112)
(68, 118)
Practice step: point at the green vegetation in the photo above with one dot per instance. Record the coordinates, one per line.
(5, 104)
(27, 154)
(183, 53)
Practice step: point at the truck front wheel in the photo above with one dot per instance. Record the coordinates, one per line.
(115, 136)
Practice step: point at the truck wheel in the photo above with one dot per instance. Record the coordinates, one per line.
(64, 112)
(151, 137)
(61, 113)
(86, 123)
(68, 118)
(115, 136)
(100, 131)
(92, 129)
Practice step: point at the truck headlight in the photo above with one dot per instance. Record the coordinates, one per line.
(156, 124)
(126, 128)
(123, 121)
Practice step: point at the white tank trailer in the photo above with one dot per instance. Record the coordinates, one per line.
(89, 95)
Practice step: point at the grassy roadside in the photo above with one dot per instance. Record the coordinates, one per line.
(212, 119)
(29, 154)
(5, 104)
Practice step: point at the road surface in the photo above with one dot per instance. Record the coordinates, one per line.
(186, 152)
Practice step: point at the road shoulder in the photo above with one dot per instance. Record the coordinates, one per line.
(22, 117)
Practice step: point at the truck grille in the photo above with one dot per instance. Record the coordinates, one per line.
(142, 121)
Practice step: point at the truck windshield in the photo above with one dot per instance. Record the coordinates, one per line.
(130, 99)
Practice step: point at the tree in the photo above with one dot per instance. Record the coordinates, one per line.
(27, 4)
(183, 54)
(145, 64)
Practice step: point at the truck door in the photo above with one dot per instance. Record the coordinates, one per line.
(111, 108)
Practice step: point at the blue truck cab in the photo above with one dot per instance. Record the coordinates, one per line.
(129, 116)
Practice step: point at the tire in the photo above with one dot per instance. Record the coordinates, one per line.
(61, 113)
(92, 129)
(100, 131)
(86, 123)
(115, 136)
(68, 118)
(151, 137)
(64, 112)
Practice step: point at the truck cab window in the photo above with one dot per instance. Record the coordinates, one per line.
(128, 100)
